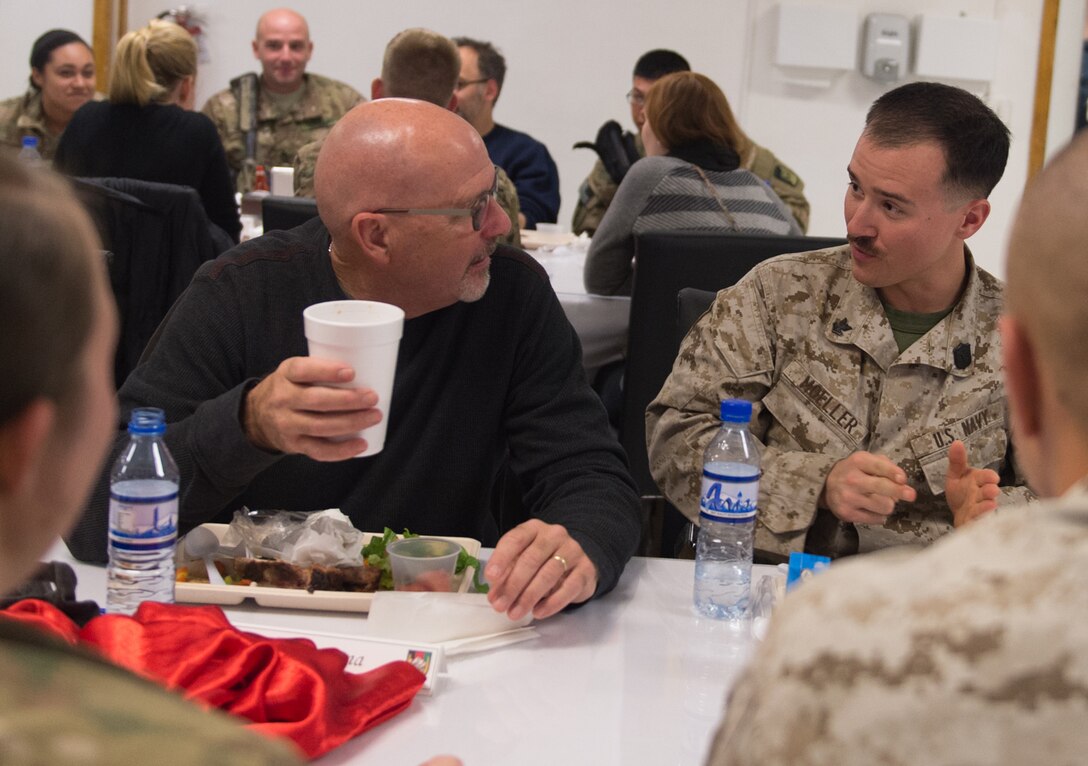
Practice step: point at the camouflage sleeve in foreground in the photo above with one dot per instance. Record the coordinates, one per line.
(970, 653)
(594, 196)
(730, 354)
(783, 181)
(60, 707)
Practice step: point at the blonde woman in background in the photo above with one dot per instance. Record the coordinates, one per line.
(62, 79)
(147, 130)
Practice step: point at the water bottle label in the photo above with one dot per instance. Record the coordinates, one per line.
(143, 524)
(729, 498)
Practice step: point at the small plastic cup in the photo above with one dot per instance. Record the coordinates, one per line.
(365, 335)
(423, 563)
(283, 181)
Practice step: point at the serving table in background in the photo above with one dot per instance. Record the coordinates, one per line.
(632, 678)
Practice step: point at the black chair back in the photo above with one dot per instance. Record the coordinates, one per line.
(286, 212)
(691, 303)
(157, 236)
(665, 263)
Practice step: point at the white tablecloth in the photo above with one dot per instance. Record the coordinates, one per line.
(633, 678)
(600, 320)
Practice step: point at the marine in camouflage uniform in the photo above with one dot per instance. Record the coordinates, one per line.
(60, 705)
(812, 349)
(22, 116)
(280, 133)
(971, 652)
(506, 194)
(597, 191)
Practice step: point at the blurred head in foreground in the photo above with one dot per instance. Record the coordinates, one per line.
(1045, 330)
(57, 405)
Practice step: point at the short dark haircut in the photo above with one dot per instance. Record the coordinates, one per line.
(421, 64)
(47, 252)
(47, 43)
(657, 63)
(490, 62)
(974, 140)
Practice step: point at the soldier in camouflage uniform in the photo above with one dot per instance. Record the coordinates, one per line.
(57, 413)
(292, 107)
(62, 79)
(864, 363)
(971, 652)
(597, 191)
(421, 64)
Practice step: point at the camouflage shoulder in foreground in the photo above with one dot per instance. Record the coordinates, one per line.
(60, 707)
(968, 653)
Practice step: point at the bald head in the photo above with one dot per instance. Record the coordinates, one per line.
(394, 153)
(281, 18)
(284, 48)
(1048, 274)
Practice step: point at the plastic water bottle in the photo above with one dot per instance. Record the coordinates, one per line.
(727, 516)
(143, 517)
(29, 153)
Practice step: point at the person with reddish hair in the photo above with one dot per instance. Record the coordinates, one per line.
(690, 179)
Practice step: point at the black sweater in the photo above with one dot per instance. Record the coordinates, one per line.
(157, 142)
(474, 382)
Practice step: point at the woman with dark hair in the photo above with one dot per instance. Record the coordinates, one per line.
(62, 79)
(147, 130)
(690, 179)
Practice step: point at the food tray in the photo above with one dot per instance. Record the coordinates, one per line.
(289, 598)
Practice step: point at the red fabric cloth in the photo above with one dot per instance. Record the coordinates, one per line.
(284, 687)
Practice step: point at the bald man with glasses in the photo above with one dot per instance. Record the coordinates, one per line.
(489, 380)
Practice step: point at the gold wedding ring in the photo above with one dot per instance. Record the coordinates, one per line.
(562, 561)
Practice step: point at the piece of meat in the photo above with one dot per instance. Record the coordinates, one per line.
(280, 574)
(276, 574)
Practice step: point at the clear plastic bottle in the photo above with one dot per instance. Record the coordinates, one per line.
(143, 517)
(29, 152)
(727, 516)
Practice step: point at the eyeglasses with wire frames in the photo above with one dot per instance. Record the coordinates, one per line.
(478, 210)
(636, 97)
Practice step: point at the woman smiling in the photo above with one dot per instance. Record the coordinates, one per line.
(62, 79)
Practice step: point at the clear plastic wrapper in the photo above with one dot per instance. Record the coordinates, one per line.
(767, 593)
(325, 538)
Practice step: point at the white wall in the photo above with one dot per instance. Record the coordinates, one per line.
(569, 65)
(21, 21)
(820, 143)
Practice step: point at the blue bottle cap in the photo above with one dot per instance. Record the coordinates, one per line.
(736, 410)
(31, 141)
(147, 420)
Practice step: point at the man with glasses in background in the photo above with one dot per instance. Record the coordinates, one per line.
(525, 159)
(618, 152)
(417, 63)
(489, 379)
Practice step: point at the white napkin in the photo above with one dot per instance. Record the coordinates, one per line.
(461, 622)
